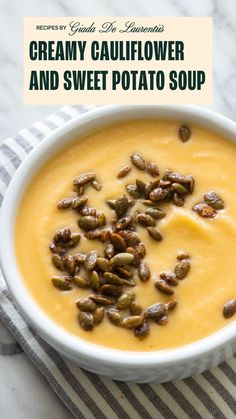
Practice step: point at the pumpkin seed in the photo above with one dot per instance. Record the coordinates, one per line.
(204, 210)
(166, 174)
(171, 305)
(191, 184)
(101, 218)
(93, 234)
(179, 178)
(57, 249)
(214, 200)
(94, 281)
(154, 233)
(84, 178)
(180, 189)
(162, 286)
(124, 222)
(81, 282)
(131, 322)
(111, 203)
(152, 169)
(156, 311)
(121, 205)
(88, 222)
(183, 255)
(144, 272)
(159, 194)
(79, 202)
(141, 186)
(87, 211)
(138, 161)
(229, 308)
(135, 309)
(182, 269)
(97, 186)
(114, 316)
(86, 321)
(136, 255)
(140, 250)
(150, 186)
(178, 200)
(98, 315)
(146, 220)
(170, 278)
(156, 213)
(142, 330)
(112, 278)
(66, 234)
(103, 264)
(86, 304)
(131, 238)
(133, 191)
(184, 133)
(69, 264)
(123, 172)
(65, 203)
(118, 242)
(125, 300)
(109, 251)
(129, 282)
(99, 299)
(111, 290)
(90, 260)
(79, 190)
(122, 259)
(58, 262)
(63, 283)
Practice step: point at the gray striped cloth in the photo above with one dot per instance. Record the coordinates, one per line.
(209, 395)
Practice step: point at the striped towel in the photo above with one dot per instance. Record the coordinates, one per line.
(209, 395)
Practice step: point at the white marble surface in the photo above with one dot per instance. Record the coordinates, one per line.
(24, 393)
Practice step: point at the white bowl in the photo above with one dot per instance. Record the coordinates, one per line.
(159, 366)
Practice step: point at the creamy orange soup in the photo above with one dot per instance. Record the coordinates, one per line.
(211, 243)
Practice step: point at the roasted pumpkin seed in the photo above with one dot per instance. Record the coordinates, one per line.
(123, 172)
(170, 278)
(63, 283)
(184, 133)
(112, 278)
(111, 203)
(79, 202)
(142, 330)
(141, 186)
(154, 233)
(65, 203)
(204, 210)
(162, 321)
(69, 264)
(114, 316)
(162, 286)
(86, 321)
(150, 186)
(103, 264)
(131, 238)
(178, 200)
(125, 300)
(182, 269)
(109, 251)
(131, 322)
(124, 222)
(99, 299)
(58, 262)
(121, 206)
(214, 200)
(97, 186)
(156, 213)
(81, 282)
(95, 281)
(86, 304)
(101, 218)
(122, 259)
(183, 255)
(152, 169)
(87, 211)
(229, 308)
(90, 260)
(171, 305)
(146, 220)
(138, 161)
(144, 272)
(98, 315)
(159, 194)
(84, 178)
(156, 311)
(180, 189)
(88, 222)
(133, 191)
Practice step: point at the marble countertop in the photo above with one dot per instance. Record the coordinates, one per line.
(24, 393)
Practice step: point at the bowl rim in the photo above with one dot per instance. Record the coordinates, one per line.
(31, 311)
